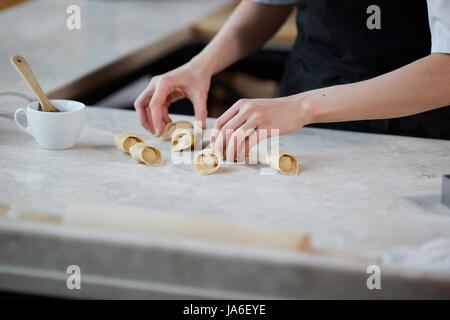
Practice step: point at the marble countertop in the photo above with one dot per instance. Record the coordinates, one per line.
(356, 192)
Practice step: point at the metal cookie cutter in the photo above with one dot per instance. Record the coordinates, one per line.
(446, 190)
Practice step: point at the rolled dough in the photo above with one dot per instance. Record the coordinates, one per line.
(285, 163)
(170, 127)
(124, 141)
(146, 154)
(182, 139)
(207, 161)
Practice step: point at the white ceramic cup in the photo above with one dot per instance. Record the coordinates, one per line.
(54, 130)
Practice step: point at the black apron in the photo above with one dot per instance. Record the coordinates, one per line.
(335, 46)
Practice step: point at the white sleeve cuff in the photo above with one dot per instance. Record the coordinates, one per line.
(441, 46)
(439, 17)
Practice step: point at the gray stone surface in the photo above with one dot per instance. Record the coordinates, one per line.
(356, 192)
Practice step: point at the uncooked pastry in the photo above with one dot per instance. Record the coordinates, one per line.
(207, 161)
(283, 162)
(182, 139)
(124, 141)
(146, 154)
(170, 127)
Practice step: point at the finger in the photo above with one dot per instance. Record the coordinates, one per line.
(200, 109)
(146, 94)
(227, 131)
(166, 119)
(174, 96)
(157, 106)
(149, 117)
(224, 118)
(141, 105)
(237, 139)
(252, 140)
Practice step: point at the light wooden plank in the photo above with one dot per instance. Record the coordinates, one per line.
(209, 26)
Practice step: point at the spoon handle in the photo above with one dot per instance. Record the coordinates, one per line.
(24, 70)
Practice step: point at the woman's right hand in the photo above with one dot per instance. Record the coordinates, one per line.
(188, 81)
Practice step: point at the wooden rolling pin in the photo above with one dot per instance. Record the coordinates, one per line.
(137, 220)
(143, 221)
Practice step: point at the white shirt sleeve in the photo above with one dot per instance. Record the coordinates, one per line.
(439, 16)
(276, 2)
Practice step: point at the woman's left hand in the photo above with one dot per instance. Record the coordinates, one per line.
(250, 121)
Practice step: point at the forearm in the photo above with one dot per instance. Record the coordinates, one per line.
(247, 29)
(418, 87)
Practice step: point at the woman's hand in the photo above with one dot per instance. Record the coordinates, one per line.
(247, 29)
(248, 122)
(188, 81)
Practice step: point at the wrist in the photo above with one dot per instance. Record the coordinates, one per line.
(306, 108)
(201, 65)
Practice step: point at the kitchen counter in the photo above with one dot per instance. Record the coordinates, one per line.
(356, 192)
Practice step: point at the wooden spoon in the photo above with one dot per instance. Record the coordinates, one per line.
(24, 70)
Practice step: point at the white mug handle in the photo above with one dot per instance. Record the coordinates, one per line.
(19, 122)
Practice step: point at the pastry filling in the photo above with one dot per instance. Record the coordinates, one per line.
(286, 164)
(206, 162)
(149, 155)
(182, 141)
(129, 143)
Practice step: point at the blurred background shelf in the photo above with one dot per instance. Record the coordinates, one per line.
(9, 3)
(208, 26)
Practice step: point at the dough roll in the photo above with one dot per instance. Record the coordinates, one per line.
(124, 141)
(182, 139)
(171, 127)
(146, 154)
(283, 162)
(207, 161)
